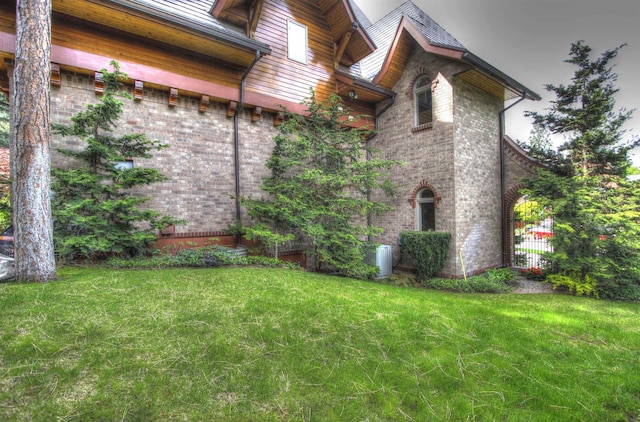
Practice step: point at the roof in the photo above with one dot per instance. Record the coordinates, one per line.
(409, 24)
(195, 15)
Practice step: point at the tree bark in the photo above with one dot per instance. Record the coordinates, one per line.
(30, 143)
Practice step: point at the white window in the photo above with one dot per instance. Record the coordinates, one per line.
(297, 42)
(124, 165)
(423, 105)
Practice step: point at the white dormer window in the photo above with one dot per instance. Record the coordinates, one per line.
(297, 42)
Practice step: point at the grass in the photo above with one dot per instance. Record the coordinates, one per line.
(239, 344)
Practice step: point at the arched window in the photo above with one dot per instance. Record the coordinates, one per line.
(423, 104)
(426, 210)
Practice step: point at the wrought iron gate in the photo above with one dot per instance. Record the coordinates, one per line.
(533, 227)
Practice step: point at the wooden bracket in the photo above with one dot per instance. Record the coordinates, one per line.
(173, 97)
(98, 82)
(138, 90)
(254, 12)
(278, 118)
(55, 75)
(204, 104)
(255, 115)
(231, 108)
(340, 51)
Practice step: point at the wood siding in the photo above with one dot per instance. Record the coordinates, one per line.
(277, 76)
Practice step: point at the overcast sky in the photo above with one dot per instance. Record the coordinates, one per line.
(530, 39)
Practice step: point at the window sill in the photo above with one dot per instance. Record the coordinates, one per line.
(421, 128)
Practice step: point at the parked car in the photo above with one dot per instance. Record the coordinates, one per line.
(540, 232)
(6, 242)
(7, 268)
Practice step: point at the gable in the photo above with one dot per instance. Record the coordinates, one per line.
(398, 33)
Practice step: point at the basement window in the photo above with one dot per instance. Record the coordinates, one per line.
(297, 43)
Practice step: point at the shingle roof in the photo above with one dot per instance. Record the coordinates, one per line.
(382, 33)
(195, 14)
(360, 16)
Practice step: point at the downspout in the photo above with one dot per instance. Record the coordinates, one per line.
(503, 212)
(236, 141)
(378, 114)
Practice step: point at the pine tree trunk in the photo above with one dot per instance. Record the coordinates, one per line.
(30, 138)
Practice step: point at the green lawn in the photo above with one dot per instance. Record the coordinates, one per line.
(240, 344)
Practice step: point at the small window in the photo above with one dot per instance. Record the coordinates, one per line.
(297, 42)
(426, 210)
(423, 104)
(124, 165)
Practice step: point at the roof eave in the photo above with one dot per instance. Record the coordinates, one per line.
(503, 77)
(229, 37)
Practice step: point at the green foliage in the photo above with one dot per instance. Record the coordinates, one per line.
(596, 210)
(576, 283)
(4, 121)
(475, 284)
(95, 212)
(530, 212)
(427, 251)
(502, 275)
(322, 174)
(208, 256)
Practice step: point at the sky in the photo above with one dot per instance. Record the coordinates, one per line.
(530, 39)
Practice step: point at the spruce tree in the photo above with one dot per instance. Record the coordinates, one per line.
(596, 210)
(322, 176)
(96, 213)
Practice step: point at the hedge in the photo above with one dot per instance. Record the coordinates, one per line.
(425, 250)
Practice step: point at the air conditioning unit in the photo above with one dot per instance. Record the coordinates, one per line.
(381, 258)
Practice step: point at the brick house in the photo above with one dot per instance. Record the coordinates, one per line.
(209, 78)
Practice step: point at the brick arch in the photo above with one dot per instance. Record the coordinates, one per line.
(418, 73)
(508, 203)
(422, 185)
(511, 196)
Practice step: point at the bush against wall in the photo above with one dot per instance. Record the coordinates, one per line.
(322, 175)
(96, 213)
(427, 251)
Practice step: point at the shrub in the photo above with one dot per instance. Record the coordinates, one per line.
(209, 256)
(503, 275)
(476, 284)
(427, 251)
(580, 286)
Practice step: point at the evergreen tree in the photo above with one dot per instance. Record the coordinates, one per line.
(322, 174)
(95, 212)
(596, 210)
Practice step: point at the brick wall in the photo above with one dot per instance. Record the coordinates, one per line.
(200, 157)
(428, 153)
(458, 157)
(477, 171)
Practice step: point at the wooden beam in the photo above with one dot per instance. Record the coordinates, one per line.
(343, 45)
(254, 16)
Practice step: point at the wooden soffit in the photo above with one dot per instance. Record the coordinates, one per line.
(488, 84)
(405, 39)
(158, 26)
(347, 31)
